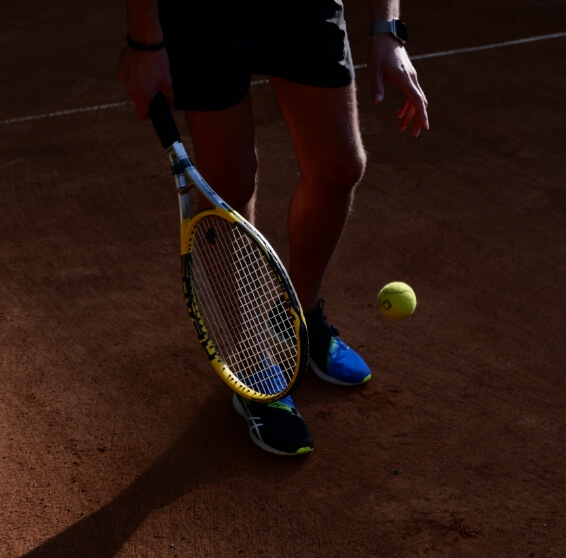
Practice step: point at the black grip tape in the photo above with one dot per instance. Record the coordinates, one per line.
(163, 121)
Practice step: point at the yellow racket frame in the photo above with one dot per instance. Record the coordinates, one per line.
(187, 235)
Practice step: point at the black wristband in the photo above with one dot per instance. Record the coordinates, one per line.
(144, 46)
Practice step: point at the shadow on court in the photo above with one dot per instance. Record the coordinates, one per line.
(197, 458)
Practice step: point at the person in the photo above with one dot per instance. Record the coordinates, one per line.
(201, 55)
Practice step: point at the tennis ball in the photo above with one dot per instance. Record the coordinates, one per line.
(397, 301)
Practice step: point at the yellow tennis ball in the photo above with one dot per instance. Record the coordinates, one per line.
(397, 301)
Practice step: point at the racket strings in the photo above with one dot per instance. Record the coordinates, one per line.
(243, 306)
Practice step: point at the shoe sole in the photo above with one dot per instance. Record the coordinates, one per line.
(239, 407)
(323, 376)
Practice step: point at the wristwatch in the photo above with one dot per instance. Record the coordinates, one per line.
(395, 27)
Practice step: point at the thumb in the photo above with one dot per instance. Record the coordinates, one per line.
(377, 90)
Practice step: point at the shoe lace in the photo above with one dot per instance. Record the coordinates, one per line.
(320, 320)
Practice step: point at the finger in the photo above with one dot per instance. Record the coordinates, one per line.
(403, 110)
(422, 104)
(416, 131)
(406, 118)
(415, 96)
(168, 92)
(143, 101)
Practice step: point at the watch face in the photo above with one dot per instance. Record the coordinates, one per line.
(400, 30)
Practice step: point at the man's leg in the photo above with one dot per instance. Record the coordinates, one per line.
(323, 124)
(224, 151)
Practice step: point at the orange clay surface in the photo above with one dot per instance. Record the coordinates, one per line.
(117, 439)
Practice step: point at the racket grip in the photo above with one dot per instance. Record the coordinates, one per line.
(163, 121)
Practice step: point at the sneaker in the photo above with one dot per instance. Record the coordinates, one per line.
(268, 379)
(276, 427)
(329, 357)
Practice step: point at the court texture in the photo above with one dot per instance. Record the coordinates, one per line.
(117, 439)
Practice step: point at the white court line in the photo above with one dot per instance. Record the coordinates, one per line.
(64, 112)
(264, 81)
(491, 46)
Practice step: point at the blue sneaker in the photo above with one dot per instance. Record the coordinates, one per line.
(276, 427)
(268, 379)
(329, 357)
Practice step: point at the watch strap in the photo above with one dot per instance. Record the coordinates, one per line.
(395, 27)
(380, 27)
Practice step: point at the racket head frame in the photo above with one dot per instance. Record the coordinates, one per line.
(188, 229)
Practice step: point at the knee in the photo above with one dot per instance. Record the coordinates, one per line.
(355, 169)
(339, 175)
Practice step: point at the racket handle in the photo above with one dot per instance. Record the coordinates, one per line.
(163, 121)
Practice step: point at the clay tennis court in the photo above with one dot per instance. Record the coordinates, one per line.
(117, 439)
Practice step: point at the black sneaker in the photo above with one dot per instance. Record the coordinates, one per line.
(329, 357)
(276, 427)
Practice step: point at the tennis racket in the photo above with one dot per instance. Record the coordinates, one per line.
(239, 296)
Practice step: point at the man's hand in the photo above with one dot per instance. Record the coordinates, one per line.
(388, 61)
(143, 74)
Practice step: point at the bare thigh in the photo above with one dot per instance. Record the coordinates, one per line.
(324, 127)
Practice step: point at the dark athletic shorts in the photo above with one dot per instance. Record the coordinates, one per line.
(215, 46)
